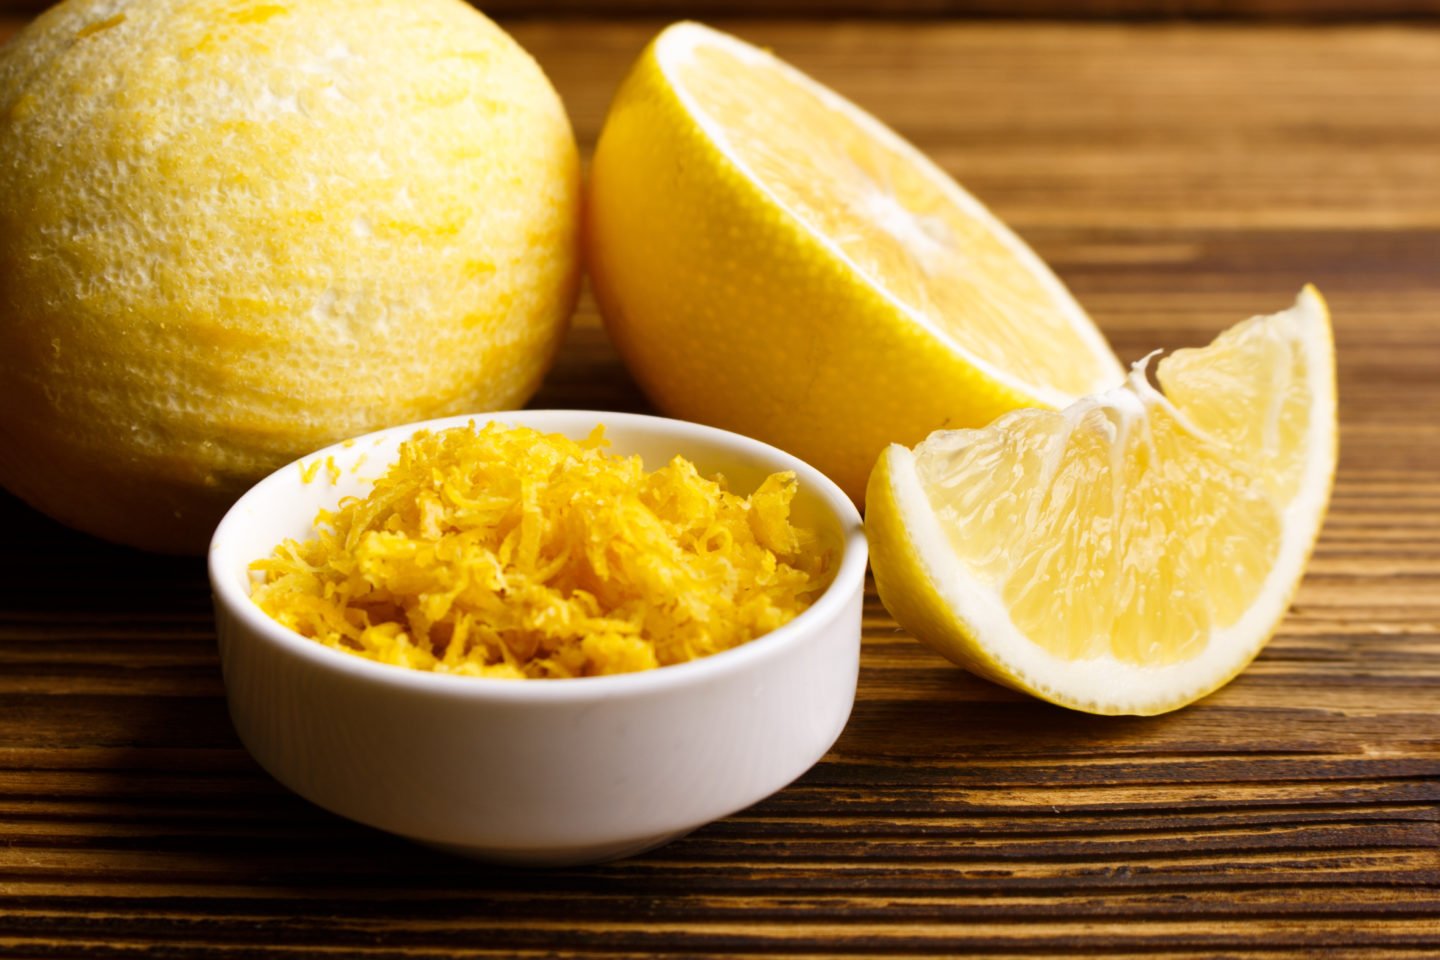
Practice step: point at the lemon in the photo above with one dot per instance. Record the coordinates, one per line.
(233, 231)
(1134, 551)
(770, 259)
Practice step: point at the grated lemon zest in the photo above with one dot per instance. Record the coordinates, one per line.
(505, 552)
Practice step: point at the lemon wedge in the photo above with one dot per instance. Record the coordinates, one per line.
(771, 259)
(1130, 553)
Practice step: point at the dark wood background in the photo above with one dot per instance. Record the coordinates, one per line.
(1179, 177)
(1244, 10)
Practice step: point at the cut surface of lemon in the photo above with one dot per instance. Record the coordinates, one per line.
(1132, 552)
(771, 259)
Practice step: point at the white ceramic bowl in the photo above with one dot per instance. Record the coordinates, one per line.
(538, 771)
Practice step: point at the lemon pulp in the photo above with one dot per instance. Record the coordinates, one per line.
(935, 250)
(770, 259)
(1131, 552)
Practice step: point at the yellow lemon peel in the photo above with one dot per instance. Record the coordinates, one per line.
(505, 552)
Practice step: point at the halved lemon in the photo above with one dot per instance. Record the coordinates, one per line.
(771, 259)
(1134, 551)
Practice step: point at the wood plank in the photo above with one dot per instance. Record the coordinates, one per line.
(1310, 11)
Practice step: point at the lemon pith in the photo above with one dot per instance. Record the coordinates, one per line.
(770, 259)
(1130, 553)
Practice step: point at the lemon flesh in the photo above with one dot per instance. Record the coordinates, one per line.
(1134, 551)
(234, 232)
(771, 259)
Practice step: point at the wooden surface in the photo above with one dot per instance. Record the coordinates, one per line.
(1179, 178)
(1302, 11)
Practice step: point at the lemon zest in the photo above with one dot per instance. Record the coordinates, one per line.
(505, 552)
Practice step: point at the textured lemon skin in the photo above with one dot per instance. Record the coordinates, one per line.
(728, 311)
(908, 589)
(232, 232)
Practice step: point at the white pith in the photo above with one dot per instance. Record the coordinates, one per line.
(1107, 685)
(675, 47)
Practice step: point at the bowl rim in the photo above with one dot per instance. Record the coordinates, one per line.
(848, 580)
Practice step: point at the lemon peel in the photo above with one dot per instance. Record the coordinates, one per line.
(509, 553)
(233, 233)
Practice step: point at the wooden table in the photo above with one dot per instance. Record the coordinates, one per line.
(1179, 178)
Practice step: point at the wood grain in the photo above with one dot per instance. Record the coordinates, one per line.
(1178, 178)
(1290, 11)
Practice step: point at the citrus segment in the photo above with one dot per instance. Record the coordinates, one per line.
(1129, 553)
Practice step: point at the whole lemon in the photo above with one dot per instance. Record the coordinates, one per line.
(233, 231)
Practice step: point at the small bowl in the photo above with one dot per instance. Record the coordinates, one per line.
(542, 772)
